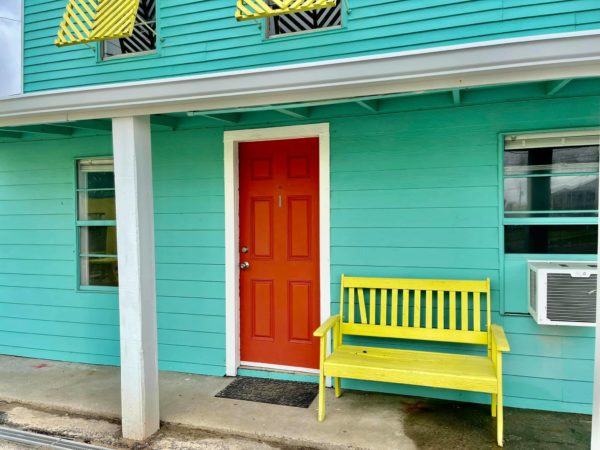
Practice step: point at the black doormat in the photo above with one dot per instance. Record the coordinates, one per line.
(276, 392)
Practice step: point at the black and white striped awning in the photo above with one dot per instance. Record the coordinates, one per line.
(306, 21)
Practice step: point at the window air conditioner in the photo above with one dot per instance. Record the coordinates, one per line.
(563, 292)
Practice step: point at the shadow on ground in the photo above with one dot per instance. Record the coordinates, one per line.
(436, 424)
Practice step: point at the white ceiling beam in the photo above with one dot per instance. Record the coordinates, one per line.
(456, 97)
(296, 113)
(369, 105)
(553, 87)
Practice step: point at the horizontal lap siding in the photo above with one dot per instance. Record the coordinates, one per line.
(201, 37)
(416, 195)
(413, 194)
(43, 315)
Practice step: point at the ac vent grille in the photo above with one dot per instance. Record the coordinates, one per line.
(532, 289)
(571, 299)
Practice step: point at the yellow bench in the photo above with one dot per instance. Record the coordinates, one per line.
(426, 310)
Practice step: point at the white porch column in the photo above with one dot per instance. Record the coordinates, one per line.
(137, 291)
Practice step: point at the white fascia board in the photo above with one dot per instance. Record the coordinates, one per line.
(566, 55)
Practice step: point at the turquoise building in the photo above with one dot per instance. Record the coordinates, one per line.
(452, 139)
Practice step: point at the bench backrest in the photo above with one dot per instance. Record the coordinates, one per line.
(422, 309)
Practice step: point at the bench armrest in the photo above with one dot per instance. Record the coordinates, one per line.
(327, 325)
(499, 338)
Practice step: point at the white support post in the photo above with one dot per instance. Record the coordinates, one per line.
(137, 291)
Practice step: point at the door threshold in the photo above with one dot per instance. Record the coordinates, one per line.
(264, 367)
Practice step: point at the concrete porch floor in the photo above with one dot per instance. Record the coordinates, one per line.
(357, 420)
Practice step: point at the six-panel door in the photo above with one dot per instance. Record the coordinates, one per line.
(279, 252)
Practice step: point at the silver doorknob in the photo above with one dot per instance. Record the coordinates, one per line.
(245, 265)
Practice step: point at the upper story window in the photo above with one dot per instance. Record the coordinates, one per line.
(96, 223)
(143, 39)
(302, 22)
(551, 193)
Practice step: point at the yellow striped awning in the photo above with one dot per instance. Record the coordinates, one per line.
(258, 9)
(96, 20)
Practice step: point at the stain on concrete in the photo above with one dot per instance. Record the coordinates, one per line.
(438, 424)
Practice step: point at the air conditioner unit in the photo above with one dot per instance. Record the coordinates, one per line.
(563, 292)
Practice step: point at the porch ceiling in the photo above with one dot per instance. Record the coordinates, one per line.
(234, 117)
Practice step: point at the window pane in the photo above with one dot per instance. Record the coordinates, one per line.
(554, 239)
(316, 19)
(97, 205)
(99, 271)
(576, 159)
(558, 193)
(98, 240)
(95, 174)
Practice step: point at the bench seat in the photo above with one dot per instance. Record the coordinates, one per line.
(421, 368)
(390, 310)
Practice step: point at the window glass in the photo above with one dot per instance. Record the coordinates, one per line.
(551, 195)
(317, 19)
(98, 240)
(553, 239)
(96, 223)
(99, 271)
(547, 193)
(97, 205)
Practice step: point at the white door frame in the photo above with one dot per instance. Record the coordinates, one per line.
(232, 272)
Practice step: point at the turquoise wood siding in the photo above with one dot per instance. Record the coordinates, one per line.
(415, 193)
(202, 36)
(41, 312)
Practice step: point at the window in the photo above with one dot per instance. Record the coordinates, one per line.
(317, 19)
(551, 193)
(143, 39)
(96, 223)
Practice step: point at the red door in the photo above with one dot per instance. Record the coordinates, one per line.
(279, 241)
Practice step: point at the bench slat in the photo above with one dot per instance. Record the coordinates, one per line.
(394, 308)
(465, 372)
(452, 309)
(383, 320)
(417, 309)
(440, 311)
(464, 310)
(405, 308)
(351, 305)
(433, 334)
(428, 309)
(477, 311)
(412, 284)
(372, 306)
(363, 308)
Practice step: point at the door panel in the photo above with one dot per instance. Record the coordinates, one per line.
(279, 226)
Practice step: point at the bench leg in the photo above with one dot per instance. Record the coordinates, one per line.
(321, 396)
(500, 421)
(338, 387)
(494, 405)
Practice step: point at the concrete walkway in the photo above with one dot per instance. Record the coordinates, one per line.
(357, 420)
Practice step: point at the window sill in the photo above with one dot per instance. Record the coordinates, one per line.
(304, 34)
(141, 56)
(98, 289)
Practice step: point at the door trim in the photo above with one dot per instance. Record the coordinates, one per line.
(231, 140)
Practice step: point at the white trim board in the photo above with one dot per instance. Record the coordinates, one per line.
(532, 58)
(232, 271)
